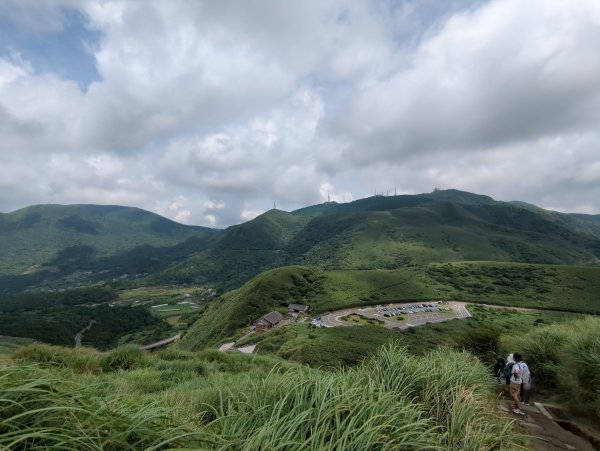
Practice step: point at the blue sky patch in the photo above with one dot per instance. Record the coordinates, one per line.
(67, 52)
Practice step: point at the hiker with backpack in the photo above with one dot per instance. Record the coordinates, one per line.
(516, 379)
(526, 382)
(506, 374)
(498, 372)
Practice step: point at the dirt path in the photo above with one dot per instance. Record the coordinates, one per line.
(160, 343)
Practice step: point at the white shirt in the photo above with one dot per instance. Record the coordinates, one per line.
(525, 373)
(516, 372)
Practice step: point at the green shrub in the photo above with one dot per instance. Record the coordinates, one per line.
(80, 360)
(394, 401)
(125, 357)
(580, 367)
(565, 355)
(43, 409)
(39, 353)
(175, 354)
(541, 350)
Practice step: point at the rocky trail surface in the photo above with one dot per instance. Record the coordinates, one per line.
(546, 431)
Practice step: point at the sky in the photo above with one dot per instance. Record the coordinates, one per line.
(210, 113)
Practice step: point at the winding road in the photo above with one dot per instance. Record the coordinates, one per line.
(82, 331)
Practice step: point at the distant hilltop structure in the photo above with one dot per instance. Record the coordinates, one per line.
(387, 193)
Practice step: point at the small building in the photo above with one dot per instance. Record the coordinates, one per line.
(297, 308)
(268, 321)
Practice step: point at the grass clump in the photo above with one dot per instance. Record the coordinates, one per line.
(80, 360)
(125, 357)
(565, 356)
(393, 401)
(41, 408)
(212, 400)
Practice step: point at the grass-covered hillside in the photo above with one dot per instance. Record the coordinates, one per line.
(47, 241)
(554, 287)
(54, 398)
(400, 396)
(391, 232)
(272, 290)
(240, 252)
(59, 246)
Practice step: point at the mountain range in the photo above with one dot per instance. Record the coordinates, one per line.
(50, 245)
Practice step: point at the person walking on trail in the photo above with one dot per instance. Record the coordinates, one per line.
(499, 375)
(507, 373)
(516, 379)
(526, 382)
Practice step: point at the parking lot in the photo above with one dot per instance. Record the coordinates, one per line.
(400, 316)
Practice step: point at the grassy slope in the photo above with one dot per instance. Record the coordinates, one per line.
(37, 235)
(126, 400)
(390, 233)
(374, 233)
(240, 253)
(523, 285)
(8, 345)
(272, 290)
(571, 288)
(442, 232)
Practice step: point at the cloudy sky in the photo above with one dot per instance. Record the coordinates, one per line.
(208, 112)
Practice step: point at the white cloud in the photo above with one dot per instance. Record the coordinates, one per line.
(247, 215)
(478, 83)
(208, 113)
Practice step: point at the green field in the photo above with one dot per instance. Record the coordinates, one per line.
(178, 305)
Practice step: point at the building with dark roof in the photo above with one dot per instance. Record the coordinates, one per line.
(297, 308)
(268, 321)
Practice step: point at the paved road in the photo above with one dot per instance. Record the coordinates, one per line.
(161, 343)
(82, 331)
(334, 319)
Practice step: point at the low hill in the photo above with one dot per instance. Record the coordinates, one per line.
(392, 232)
(272, 290)
(51, 239)
(554, 287)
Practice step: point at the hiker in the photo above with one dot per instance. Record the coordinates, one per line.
(510, 361)
(526, 382)
(499, 374)
(516, 379)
